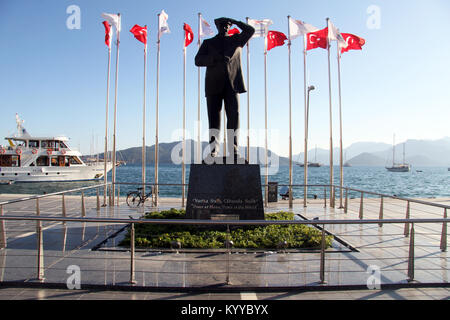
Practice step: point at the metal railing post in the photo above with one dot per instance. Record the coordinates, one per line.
(380, 217)
(98, 199)
(118, 195)
(83, 206)
(406, 231)
(322, 257)
(444, 233)
(346, 201)
(38, 210)
(40, 252)
(2, 230)
(325, 197)
(361, 206)
(132, 271)
(64, 211)
(227, 280)
(411, 255)
(332, 196)
(110, 196)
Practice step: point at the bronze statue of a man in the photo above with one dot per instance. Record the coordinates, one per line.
(221, 55)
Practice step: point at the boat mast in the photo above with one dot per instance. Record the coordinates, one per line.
(393, 151)
(404, 152)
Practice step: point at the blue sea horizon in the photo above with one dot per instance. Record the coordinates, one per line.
(420, 182)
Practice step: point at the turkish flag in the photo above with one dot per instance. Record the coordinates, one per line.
(233, 31)
(353, 42)
(108, 33)
(140, 33)
(275, 39)
(188, 35)
(317, 39)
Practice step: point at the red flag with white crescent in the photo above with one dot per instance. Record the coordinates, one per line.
(275, 39)
(188, 35)
(353, 42)
(140, 33)
(317, 39)
(108, 33)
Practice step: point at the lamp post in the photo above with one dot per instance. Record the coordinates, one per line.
(305, 161)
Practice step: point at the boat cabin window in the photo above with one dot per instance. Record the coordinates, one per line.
(33, 144)
(74, 160)
(62, 145)
(51, 144)
(8, 160)
(54, 161)
(42, 161)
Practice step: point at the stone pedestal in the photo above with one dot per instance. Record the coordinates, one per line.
(225, 192)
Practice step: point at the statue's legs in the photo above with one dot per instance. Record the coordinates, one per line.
(214, 103)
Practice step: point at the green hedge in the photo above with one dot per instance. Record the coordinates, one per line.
(252, 237)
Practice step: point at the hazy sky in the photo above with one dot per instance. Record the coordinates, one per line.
(55, 77)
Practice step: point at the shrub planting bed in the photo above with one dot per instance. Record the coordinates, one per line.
(213, 237)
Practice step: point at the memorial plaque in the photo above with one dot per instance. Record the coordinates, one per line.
(225, 192)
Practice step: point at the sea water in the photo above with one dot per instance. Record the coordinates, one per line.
(423, 182)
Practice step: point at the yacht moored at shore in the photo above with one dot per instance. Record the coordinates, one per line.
(44, 159)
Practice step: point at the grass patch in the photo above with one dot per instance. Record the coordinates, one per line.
(208, 237)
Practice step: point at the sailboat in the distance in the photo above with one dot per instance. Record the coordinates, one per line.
(314, 164)
(396, 167)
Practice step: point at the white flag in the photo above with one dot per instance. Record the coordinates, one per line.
(261, 27)
(299, 28)
(334, 34)
(113, 19)
(205, 29)
(163, 26)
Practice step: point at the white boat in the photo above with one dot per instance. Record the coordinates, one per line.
(44, 159)
(402, 167)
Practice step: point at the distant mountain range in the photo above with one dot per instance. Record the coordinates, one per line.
(417, 153)
(134, 155)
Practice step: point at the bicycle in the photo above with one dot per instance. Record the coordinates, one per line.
(134, 198)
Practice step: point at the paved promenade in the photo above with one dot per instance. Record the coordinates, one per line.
(362, 254)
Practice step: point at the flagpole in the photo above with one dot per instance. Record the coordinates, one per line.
(331, 122)
(341, 166)
(199, 143)
(305, 155)
(265, 111)
(248, 98)
(143, 122)
(113, 189)
(157, 114)
(183, 160)
(105, 155)
(290, 115)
